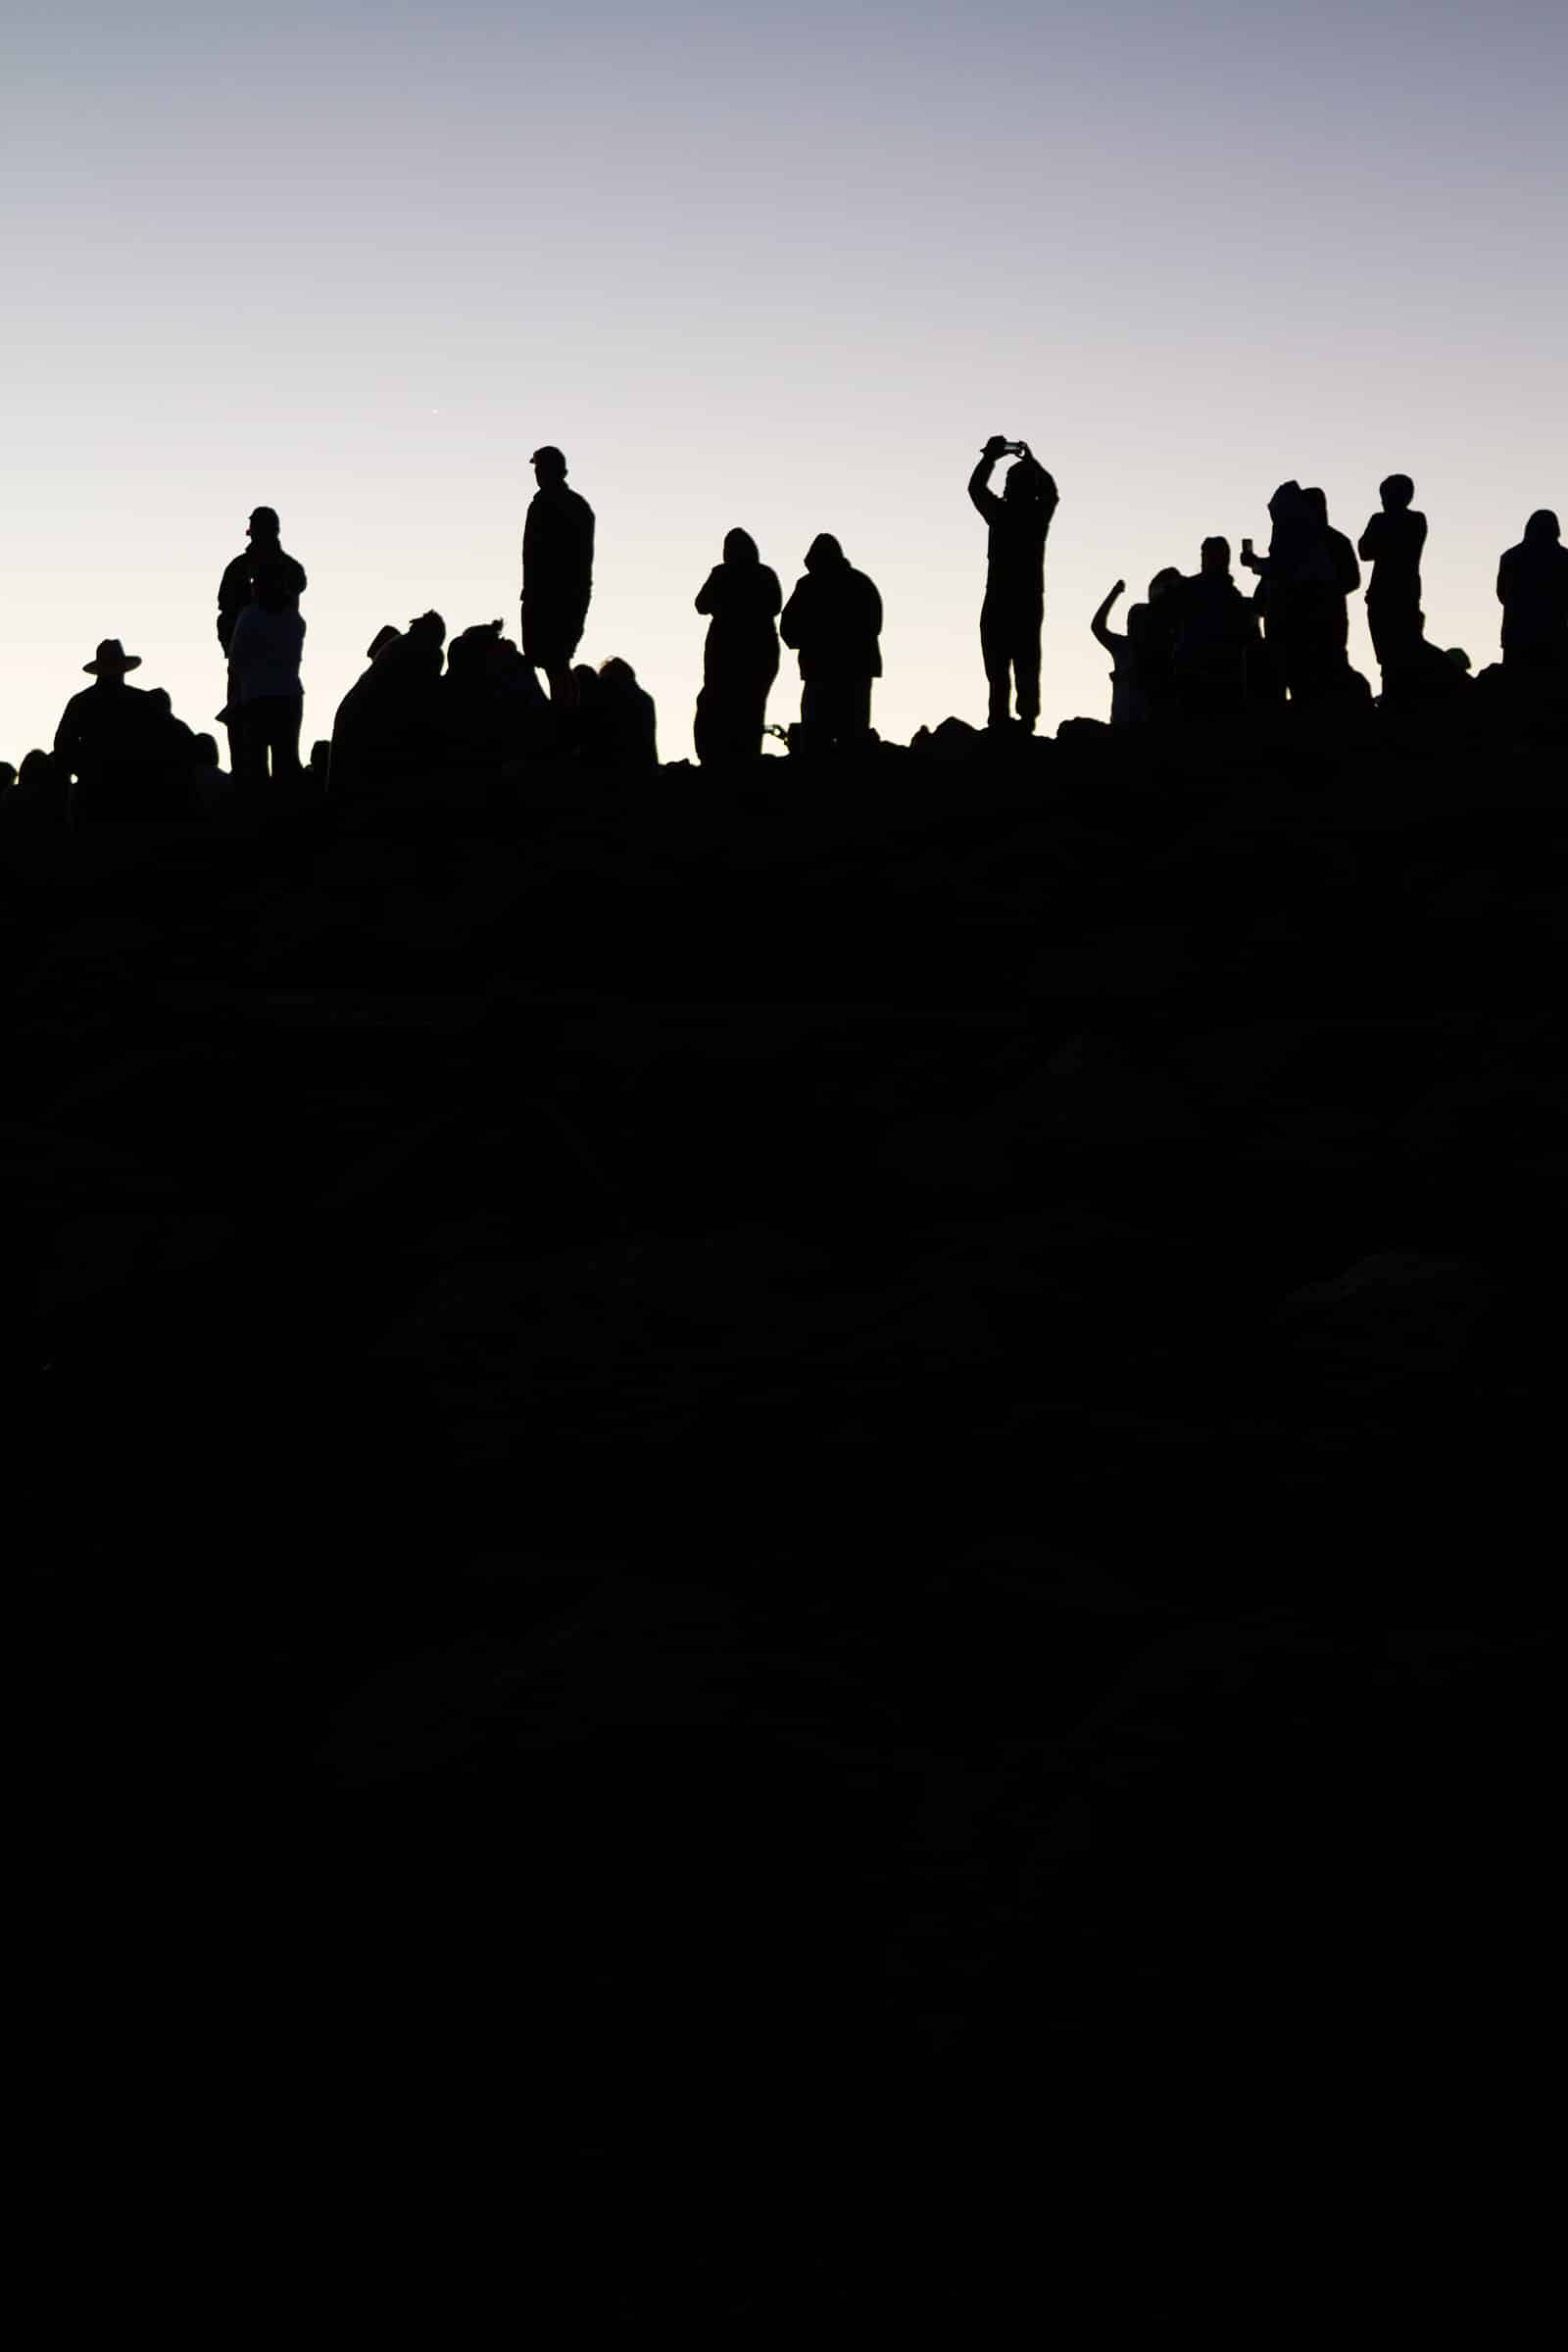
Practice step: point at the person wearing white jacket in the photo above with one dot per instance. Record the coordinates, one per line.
(263, 678)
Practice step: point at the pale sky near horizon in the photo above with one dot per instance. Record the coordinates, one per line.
(787, 271)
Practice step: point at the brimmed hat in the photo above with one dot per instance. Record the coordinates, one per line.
(549, 454)
(112, 657)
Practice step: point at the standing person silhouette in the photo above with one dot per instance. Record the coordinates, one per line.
(558, 574)
(1129, 703)
(834, 622)
(740, 657)
(1014, 599)
(238, 587)
(1214, 633)
(1288, 590)
(1330, 577)
(1392, 543)
(1533, 591)
(265, 695)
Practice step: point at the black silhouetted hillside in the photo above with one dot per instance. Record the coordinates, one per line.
(848, 1480)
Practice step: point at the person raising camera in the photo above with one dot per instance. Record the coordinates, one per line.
(1014, 598)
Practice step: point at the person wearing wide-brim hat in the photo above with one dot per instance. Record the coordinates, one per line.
(111, 659)
(109, 740)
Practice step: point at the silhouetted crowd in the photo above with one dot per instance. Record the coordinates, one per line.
(1197, 647)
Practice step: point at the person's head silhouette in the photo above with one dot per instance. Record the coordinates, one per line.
(741, 548)
(264, 528)
(111, 662)
(1215, 555)
(825, 553)
(1396, 492)
(1027, 480)
(1543, 529)
(549, 467)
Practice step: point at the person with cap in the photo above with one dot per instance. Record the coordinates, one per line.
(109, 742)
(558, 569)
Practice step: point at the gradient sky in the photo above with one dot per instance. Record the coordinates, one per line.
(355, 258)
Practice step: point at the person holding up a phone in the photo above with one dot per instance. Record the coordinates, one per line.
(1014, 600)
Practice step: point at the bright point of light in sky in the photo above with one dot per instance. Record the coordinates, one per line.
(356, 261)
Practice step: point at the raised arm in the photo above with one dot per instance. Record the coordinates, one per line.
(984, 499)
(1107, 637)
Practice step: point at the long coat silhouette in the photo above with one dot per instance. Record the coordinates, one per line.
(834, 622)
(1533, 591)
(739, 658)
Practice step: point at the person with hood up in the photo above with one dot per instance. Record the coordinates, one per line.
(1533, 591)
(833, 622)
(739, 658)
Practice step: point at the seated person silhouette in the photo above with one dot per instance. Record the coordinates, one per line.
(38, 797)
(109, 745)
(1013, 610)
(1392, 543)
(833, 620)
(620, 725)
(742, 598)
(388, 730)
(474, 704)
(1533, 591)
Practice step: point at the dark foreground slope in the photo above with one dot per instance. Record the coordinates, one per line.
(845, 1488)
